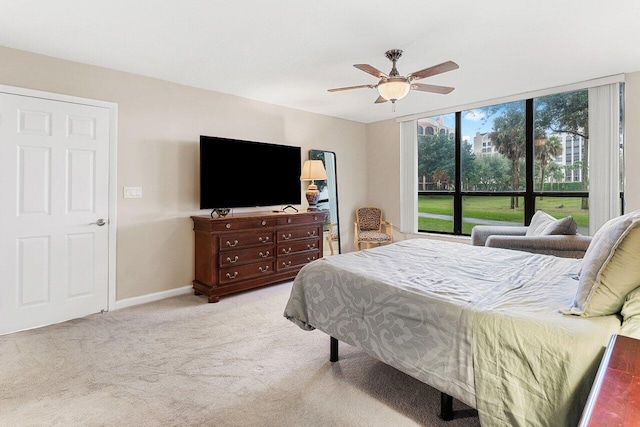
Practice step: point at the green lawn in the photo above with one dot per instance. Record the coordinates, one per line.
(496, 209)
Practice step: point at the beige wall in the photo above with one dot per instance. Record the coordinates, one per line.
(159, 125)
(383, 165)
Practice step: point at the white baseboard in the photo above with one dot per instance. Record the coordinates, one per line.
(143, 299)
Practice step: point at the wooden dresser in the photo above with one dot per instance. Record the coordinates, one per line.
(244, 251)
(615, 395)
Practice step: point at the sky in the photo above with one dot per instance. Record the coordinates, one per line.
(472, 121)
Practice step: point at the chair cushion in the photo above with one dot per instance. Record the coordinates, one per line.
(369, 218)
(610, 268)
(543, 224)
(371, 235)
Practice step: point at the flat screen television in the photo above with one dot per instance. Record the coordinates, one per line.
(237, 173)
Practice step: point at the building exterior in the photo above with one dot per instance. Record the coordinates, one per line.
(572, 154)
(482, 144)
(570, 159)
(434, 126)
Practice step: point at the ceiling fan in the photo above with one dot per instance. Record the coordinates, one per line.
(393, 86)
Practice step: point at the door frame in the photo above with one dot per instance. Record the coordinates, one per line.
(113, 168)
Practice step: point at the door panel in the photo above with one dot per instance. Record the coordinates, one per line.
(34, 180)
(54, 182)
(33, 271)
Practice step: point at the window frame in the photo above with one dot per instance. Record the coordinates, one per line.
(529, 194)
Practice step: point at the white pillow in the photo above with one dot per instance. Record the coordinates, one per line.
(610, 268)
(543, 224)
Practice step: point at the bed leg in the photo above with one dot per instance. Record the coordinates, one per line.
(446, 407)
(334, 350)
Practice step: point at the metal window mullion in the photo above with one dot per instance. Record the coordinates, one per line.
(457, 198)
(529, 197)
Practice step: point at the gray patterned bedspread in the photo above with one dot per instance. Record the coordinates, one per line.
(412, 304)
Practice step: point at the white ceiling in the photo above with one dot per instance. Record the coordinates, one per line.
(289, 52)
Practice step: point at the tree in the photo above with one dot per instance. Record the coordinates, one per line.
(441, 179)
(437, 153)
(508, 137)
(545, 153)
(568, 113)
(557, 174)
(490, 173)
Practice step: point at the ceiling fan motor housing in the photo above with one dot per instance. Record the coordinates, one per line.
(393, 55)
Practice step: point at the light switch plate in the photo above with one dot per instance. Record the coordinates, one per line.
(132, 192)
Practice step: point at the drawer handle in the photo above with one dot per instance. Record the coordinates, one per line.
(311, 246)
(286, 236)
(232, 276)
(264, 255)
(263, 239)
(315, 217)
(311, 233)
(311, 258)
(288, 220)
(263, 270)
(235, 242)
(263, 222)
(231, 261)
(286, 251)
(286, 264)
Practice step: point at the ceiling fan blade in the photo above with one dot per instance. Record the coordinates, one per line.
(380, 100)
(371, 70)
(338, 89)
(432, 71)
(432, 88)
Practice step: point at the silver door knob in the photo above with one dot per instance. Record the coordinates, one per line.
(100, 222)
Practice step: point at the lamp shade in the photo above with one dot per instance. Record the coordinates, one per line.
(313, 169)
(394, 88)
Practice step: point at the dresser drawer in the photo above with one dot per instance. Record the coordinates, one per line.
(243, 256)
(296, 261)
(302, 218)
(295, 246)
(234, 241)
(232, 274)
(231, 224)
(288, 234)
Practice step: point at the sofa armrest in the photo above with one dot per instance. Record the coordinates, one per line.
(559, 245)
(480, 233)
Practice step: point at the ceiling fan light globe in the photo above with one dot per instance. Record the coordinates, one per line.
(394, 89)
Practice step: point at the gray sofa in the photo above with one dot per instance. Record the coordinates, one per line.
(507, 237)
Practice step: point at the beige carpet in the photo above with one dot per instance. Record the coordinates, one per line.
(183, 362)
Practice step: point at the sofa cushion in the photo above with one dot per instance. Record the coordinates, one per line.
(610, 268)
(543, 224)
(631, 315)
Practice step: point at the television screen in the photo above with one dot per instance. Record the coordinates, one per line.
(236, 173)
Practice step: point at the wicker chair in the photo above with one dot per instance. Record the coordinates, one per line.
(371, 229)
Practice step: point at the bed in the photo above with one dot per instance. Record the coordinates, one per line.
(487, 326)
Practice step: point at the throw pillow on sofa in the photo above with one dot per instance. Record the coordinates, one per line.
(543, 224)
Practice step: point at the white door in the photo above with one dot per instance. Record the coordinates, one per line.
(54, 184)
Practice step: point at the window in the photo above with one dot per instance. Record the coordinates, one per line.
(436, 175)
(505, 162)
